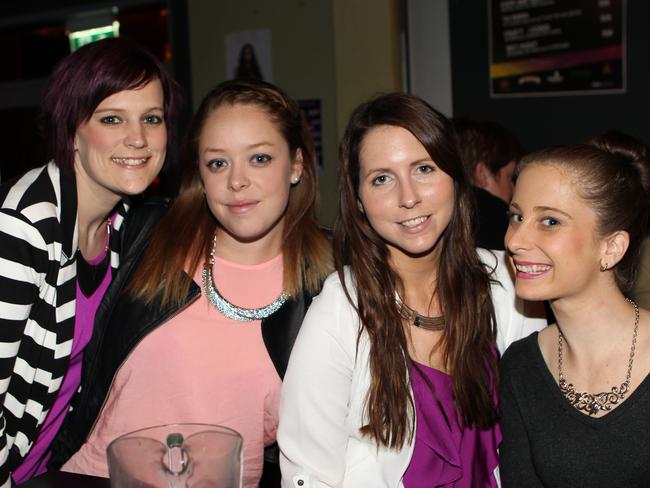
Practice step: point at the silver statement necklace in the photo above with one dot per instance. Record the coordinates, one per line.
(592, 403)
(228, 309)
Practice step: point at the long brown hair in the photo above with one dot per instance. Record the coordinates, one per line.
(463, 284)
(184, 235)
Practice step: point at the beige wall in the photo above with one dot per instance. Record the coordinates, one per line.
(340, 51)
(366, 39)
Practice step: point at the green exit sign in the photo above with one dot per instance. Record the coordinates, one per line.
(83, 37)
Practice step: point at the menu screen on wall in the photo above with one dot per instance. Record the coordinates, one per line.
(556, 47)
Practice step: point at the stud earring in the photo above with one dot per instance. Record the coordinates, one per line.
(295, 180)
(603, 267)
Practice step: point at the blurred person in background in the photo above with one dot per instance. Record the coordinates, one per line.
(490, 153)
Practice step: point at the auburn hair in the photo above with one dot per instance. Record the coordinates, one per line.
(462, 284)
(183, 238)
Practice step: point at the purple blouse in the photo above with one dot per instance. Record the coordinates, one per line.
(445, 453)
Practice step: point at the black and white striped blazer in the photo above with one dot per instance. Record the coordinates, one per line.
(38, 244)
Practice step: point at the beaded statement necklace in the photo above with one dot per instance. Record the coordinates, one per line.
(228, 309)
(417, 320)
(592, 403)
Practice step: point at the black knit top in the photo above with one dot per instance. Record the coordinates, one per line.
(548, 443)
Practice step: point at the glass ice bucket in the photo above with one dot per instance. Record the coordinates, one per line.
(176, 456)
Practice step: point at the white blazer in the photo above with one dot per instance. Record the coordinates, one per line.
(324, 389)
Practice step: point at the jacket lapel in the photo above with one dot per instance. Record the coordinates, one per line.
(68, 209)
(280, 330)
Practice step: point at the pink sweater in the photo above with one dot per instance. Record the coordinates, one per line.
(199, 367)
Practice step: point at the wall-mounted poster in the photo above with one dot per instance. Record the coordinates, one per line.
(556, 47)
(248, 55)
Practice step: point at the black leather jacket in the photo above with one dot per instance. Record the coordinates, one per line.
(130, 321)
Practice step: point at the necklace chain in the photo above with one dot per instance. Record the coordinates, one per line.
(109, 227)
(414, 318)
(592, 403)
(227, 308)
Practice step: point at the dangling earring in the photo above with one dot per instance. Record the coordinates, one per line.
(603, 267)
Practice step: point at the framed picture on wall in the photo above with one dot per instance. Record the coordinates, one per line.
(248, 55)
(557, 47)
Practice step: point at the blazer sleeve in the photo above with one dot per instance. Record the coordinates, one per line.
(23, 265)
(315, 396)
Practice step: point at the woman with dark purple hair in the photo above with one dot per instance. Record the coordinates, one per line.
(108, 110)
